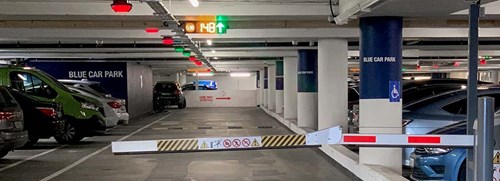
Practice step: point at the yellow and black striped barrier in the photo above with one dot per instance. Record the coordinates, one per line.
(315, 139)
(179, 145)
(283, 141)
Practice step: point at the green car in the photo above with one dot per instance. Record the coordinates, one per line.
(84, 115)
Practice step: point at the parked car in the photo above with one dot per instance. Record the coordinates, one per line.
(12, 133)
(42, 119)
(84, 115)
(444, 163)
(114, 109)
(93, 87)
(168, 93)
(421, 117)
(191, 86)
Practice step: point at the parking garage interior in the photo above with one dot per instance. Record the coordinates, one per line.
(78, 78)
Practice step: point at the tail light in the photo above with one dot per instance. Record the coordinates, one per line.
(6, 115)
(48, 111)
(115, 105)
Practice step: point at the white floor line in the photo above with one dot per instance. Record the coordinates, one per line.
(31, 158)
(55, 174)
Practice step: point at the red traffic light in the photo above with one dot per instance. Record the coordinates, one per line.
(152, 30)
(419, 68)
(198, 63)
(456, 64)
(482, 61)
(121, 6)
(168, 41)
(192, 58)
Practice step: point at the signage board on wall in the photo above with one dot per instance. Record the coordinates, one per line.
(111, 75)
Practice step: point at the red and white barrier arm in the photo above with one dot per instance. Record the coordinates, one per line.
(403, 140)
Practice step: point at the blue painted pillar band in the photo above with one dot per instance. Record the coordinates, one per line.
(380, 58)
(279, 75)
(307, 70)
(266, 77)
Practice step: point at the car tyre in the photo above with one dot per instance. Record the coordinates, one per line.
(69, 136)
(3, 153)
(31, 141)
(462, 172)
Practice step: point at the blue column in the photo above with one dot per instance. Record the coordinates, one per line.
(266, 86)
(279, 87)
(307, 96)
(380, 86)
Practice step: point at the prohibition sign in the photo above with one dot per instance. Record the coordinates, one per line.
(236, 143)
(245, 142)
(227, 143)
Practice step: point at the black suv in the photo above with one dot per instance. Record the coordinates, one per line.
(167, 93)
(12, 133)
(42, 119)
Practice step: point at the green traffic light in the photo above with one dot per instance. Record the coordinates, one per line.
(186, 53)
(179, 49)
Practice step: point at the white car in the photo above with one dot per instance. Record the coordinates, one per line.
(114, 109)
(90, 86)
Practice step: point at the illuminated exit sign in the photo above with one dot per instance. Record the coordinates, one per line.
(205, 27)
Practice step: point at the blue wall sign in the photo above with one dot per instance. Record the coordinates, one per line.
(394, 91)
(111, 75)
(380, 55)
(307, 71)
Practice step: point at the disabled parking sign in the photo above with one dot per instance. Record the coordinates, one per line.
(394, 91)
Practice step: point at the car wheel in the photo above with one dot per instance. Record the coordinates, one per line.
(3, 153)
(185, 104)
(462, 172)
(180, 106)
(69, 136)
(31, 141)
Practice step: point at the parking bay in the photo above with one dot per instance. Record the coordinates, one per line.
(92, 158)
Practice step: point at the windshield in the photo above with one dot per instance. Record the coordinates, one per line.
(98, 88)
(56, 82)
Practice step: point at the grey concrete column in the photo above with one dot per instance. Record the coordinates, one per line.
(290, 87)
(332, 80)
(182, 78)
(307, 96)
(271, 99)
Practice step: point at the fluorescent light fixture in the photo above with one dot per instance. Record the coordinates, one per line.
(240, 74)
(195, 3)
(209, 42)
(203, 74)
(213, 51)
(216, 58)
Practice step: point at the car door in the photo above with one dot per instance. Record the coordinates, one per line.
(32, 85)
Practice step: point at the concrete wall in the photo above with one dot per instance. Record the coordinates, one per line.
(140, 89)
(171, 77)
(221, 98)
(226, 82)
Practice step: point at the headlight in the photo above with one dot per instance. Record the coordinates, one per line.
(86, 105)
(437, 151)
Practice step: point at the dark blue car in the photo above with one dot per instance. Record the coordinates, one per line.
(444, 163)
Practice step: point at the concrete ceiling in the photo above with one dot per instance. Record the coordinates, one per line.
(27, 24)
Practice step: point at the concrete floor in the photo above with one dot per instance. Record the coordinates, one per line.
(93, 160)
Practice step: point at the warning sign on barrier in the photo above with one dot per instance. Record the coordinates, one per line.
(496, 165)
(229, 143)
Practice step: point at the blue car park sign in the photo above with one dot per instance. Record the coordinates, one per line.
(394, 91)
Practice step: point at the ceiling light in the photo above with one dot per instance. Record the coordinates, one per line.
(209, 42)
(121, 6)
(240, 74)
(203, 74)
(152, 30)
(195, 3)
(216, 58)
(213, 51)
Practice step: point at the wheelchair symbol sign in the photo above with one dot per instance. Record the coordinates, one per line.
(394, 91)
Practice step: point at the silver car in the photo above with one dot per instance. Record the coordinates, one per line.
(114, 109)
